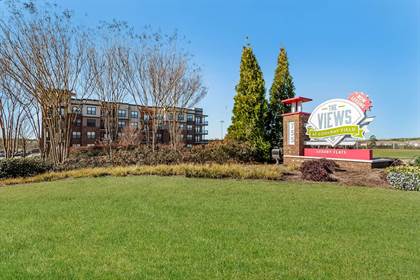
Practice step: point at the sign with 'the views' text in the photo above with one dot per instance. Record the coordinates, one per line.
(338, 119)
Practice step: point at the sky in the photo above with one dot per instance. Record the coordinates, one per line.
(334, 48)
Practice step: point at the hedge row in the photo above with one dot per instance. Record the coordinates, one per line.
(215, 152)
(23, 167)
(404, 177)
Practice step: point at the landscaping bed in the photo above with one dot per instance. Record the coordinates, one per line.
(235, 171)
(372, 178)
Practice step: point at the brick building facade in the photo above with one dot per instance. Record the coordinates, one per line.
(88, 127)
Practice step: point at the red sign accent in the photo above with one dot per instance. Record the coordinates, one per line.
(361, 154)
(361, 100)
(296, 100)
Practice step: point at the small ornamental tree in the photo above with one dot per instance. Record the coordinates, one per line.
(250, 106)
(282, 88)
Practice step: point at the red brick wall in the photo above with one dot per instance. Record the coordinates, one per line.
(300, 119)
(346, 165)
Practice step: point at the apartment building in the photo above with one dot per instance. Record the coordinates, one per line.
(89, 128)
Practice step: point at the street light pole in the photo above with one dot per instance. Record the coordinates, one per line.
(221, 129)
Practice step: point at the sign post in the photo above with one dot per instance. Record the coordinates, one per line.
(294, 126)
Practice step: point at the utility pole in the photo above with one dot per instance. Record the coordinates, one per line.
(221, 129)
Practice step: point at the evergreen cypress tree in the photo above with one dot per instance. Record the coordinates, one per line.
(250, 105)
(282, 88)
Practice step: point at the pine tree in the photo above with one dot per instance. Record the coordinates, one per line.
(282, 88)
(250, 105)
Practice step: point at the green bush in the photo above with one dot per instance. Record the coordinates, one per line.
(89, 151)
(227, 151)
(404, 177)
(215, 152)
(22, 167)
(416, 161)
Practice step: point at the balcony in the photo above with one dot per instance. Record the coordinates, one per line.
(202, 123)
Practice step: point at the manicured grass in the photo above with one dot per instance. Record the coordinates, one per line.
(396, 153)
(179, 228)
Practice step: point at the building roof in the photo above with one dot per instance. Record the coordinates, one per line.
(90, 101)
(296, 100)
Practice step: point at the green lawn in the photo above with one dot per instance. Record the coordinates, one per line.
(180, 228)
(397, 153)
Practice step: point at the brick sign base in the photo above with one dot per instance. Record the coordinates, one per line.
(344, 164)
(358, 154)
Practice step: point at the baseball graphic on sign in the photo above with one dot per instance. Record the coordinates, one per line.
(338, 119)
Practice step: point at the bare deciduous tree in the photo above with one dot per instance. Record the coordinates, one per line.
(11, 117)
(25, 134)
(186, 93)
(130, 136)
(161, 77)
(109, 88)
(46, 55)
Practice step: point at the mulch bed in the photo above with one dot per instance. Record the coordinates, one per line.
(369, 178)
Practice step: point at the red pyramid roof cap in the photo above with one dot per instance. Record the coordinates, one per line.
(296, 100)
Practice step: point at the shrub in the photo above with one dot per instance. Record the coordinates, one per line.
(227, 151)
(318, 170)
(236, 171)
(404, 177)
(22, 167)
(329, 165)
(396, 162)
(416, 161)
(215, 152)
(88, 151)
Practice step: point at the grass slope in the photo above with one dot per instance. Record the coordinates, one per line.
(179, 228)
(397, 153)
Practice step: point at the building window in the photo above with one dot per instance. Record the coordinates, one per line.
(134, 114)
(189, 137)
(91, 122)
(198, 129)
(190, 117)
(189, 146)
(122, 113)
(76, 134)
(197, 138)
(77, 122)
(291, 133)
(135, 125)
(197, 120)
(76, 145)
(181, 117)
(121, 124)
(90, 110)
(146, 118)
(189, 127)
(76, 110)
(91, 135)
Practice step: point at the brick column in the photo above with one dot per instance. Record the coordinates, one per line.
(299, 119)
